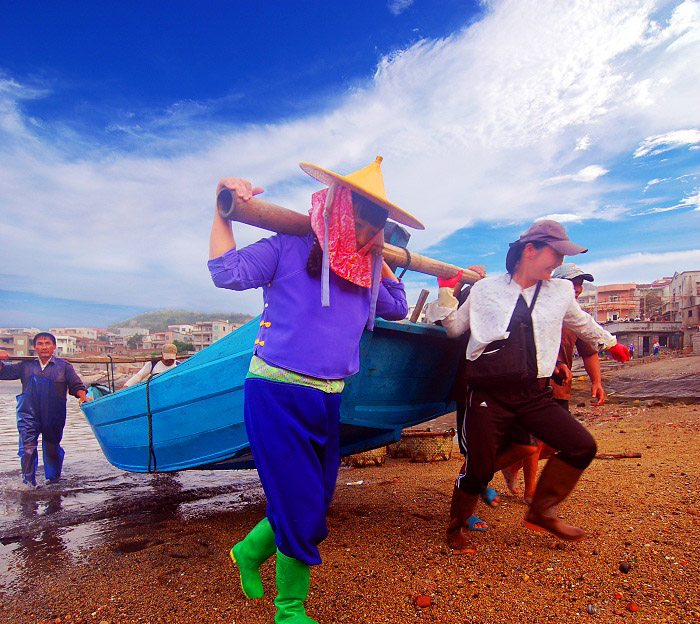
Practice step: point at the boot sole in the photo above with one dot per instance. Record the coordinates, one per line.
(240, 578)
(537, 527)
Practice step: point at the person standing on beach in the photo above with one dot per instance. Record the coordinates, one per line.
(319, 291)
(41, 408)
(515, 324)
(167, 361)
(561, 388)
(516, 443)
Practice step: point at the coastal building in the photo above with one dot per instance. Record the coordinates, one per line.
(66, 345)
(88, 345)
(17, 344)
(652, 298)
(157, 339)
(643, 335)
(587, 298)
(181, 332)
(611, 302)
(131, 331)
(208, 332)
(683, 304)
(78, 332)
(31, 331)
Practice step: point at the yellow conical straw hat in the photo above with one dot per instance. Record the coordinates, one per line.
(369, 183)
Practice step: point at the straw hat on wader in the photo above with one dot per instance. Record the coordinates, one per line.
(369, 183)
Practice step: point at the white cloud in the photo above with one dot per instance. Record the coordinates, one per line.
(692, 200)
(399, 6)
(562, 217)
(653, 182)
(587, 174)
(664, 142)
(642, 267)
(583, 143)
(469, 126)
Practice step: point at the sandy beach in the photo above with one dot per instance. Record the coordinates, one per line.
(386, 547)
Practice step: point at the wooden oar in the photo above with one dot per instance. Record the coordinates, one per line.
(278, 219)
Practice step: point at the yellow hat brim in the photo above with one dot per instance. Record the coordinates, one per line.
(329, 177)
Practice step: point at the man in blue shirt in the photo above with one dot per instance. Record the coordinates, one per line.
(41, 408)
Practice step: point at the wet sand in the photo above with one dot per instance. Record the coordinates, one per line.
(386, 547)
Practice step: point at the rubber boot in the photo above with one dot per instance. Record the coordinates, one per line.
(293, 580)
(249, 554)
(462, 508)
(556, 482)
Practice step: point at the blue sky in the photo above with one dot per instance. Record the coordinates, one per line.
(115, 125)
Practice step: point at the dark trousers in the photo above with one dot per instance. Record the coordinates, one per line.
(491, 413)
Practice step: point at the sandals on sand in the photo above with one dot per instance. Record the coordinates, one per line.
(473, 521)
(490, 497)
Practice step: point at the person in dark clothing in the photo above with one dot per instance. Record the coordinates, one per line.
(521, 313)
(41, 408)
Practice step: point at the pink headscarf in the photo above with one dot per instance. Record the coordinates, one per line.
(346, 260)
(333, 222)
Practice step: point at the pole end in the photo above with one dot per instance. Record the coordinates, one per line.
(226, 204)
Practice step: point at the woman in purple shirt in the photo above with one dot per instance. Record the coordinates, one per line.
(320, 291)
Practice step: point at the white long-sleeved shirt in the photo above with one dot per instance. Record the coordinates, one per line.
(489, 308)
(146, 372)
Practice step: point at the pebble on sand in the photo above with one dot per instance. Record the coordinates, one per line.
(422, 601)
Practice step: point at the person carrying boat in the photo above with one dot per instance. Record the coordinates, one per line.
(166, 362)
(319, 291)
(561, 388)
(515, 322)
(41, 408)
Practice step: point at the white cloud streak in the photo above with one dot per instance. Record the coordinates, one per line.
(396, 7)
(653, 145)
(587, 174)
(506, 100)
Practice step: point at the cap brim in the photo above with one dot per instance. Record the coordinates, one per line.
(328, 177)
(574, 274)
(567, 247)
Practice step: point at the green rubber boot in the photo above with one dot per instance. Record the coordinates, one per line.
(293, 580)
(249, 554)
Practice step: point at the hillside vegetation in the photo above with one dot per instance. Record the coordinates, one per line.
(158, 320)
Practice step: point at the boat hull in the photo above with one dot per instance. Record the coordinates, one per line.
(192, 416)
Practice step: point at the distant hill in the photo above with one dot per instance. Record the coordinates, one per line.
(158, 320)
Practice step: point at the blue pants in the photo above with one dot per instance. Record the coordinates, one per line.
(293, 435)
(40, 412)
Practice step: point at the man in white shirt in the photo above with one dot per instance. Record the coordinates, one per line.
(166, 362)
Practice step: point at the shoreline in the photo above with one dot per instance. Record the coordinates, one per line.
(386, 547)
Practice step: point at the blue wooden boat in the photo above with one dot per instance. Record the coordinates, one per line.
(192, 416)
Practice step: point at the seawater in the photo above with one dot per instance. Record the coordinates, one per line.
(93, 498)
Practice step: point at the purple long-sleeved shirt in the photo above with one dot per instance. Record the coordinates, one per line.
(58, 371)
(296, 332)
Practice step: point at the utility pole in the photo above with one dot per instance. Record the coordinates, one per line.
(595, 306)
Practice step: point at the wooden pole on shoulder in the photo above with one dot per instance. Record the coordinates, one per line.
(274, 218)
